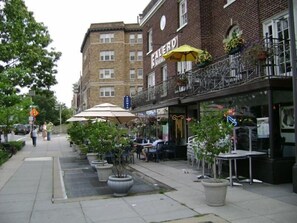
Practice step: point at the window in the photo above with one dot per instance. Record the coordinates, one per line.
(184, 66)
(151, 86)
(164, 78)
(139, 38)
(106, 38)
(132, 38)
(277, 32)
(150, 40)
(139, 55)
(183, 18)
(107, 92)
(132, 56)
(132, 91)
(139, 73)
(107, 55)
(106, 73)
(139, 89)
(132, 74)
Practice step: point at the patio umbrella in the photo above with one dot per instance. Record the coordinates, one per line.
(76, 119)
(108, 112)
(182, 53)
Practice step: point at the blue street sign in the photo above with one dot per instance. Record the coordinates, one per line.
(232, 120)
(127, 102)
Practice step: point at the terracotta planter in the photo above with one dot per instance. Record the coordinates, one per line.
(120, 186)
(262, 55)
(215, 191)
(181, 82)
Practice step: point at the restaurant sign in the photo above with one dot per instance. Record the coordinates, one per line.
(157, 56)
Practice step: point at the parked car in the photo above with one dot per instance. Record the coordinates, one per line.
(20, 129)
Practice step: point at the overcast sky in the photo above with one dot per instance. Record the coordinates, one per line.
(68, 21)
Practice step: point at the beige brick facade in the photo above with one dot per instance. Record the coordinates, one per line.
(116, 66)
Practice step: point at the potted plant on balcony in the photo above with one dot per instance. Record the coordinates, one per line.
(234, 44)
(256, 53)
(213, 136)
(203, 59)
(182, 80)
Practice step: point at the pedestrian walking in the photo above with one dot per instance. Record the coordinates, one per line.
(49, 129)
(44, 131)
(33, 134)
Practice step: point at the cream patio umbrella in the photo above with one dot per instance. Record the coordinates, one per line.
(109, 112)
(76, 119)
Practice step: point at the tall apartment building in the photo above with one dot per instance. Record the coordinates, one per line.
(112, 64)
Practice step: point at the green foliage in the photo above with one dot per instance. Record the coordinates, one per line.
(8, 149)
(26, 60)
(77, 135)
(4, 155)
(213, 134)
(25, 54)
(18, 145)
(101, 138)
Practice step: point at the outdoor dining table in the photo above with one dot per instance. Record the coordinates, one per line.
(240, 154)
(232, 156)
(144, 145)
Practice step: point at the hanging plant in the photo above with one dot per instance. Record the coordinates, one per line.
(234, 44)
(203, 59)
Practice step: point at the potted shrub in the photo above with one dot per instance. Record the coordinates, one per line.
(77, 136)
(213, 136)
(98, 136)
(233, 44)
(120, 182)
(203, 59)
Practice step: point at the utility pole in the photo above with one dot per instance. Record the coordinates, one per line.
(59, 107)
(294, 81)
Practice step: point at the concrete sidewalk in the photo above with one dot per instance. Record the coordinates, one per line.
(28, 181)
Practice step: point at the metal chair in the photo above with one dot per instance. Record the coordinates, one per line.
(156, 152)
(169, 149)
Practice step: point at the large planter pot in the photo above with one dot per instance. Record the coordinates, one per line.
(104, 171)
(120, 186)
(98, 163)
(235, 50)
(91, 157)
(215, 191)
(203, 64)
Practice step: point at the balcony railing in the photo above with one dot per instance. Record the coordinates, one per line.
(227, 72)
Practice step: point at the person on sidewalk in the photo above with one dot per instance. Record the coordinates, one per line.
(44, 131)
(154, 147)
(33, 134)
(49, 129)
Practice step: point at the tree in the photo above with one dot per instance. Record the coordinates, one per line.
(26, 60)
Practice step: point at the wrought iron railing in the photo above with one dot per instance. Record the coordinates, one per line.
(226, 72)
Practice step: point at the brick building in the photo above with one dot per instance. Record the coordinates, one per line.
(258, 91)
(112, 64)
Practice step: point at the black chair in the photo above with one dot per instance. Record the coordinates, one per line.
(169, 150)
(128, 155)
(156, 152)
